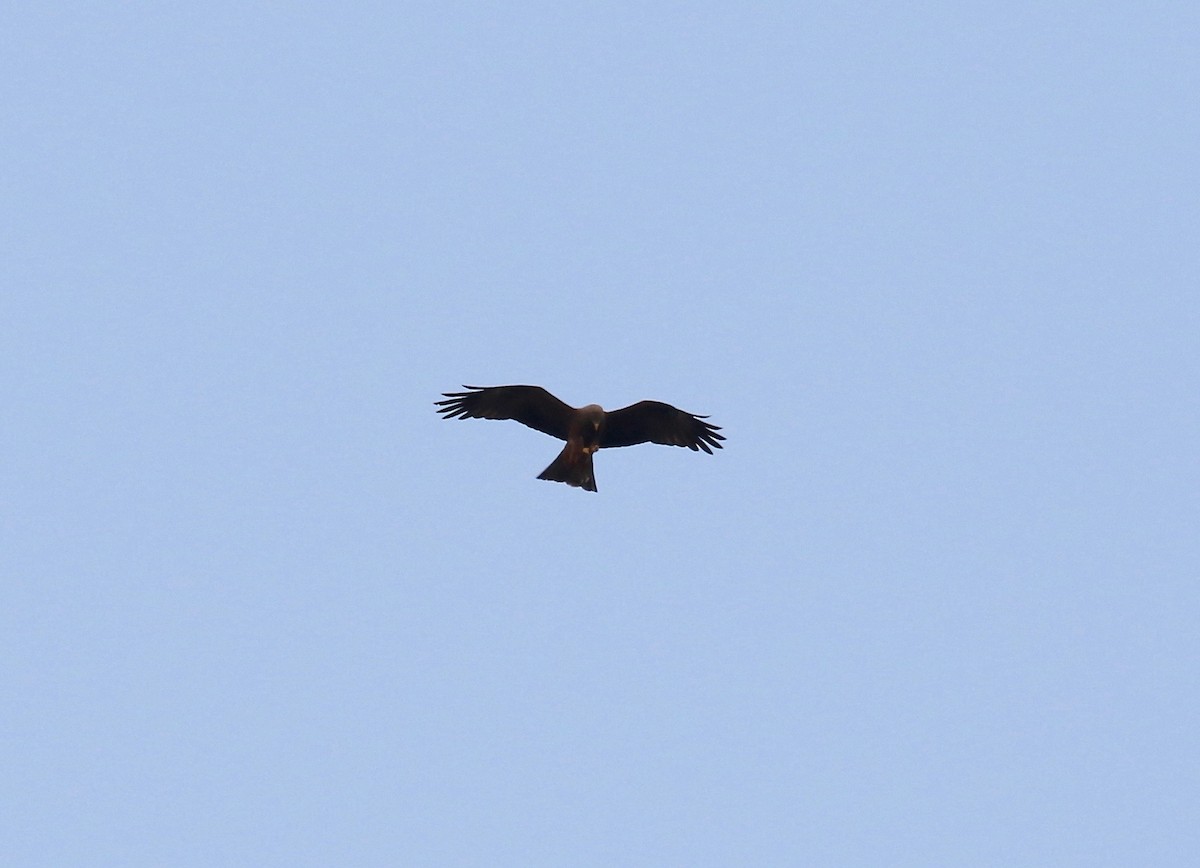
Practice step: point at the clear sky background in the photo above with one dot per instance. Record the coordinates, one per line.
(934, 267)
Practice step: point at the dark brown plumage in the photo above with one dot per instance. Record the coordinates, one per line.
(585, 429)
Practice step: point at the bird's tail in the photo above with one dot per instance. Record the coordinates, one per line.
(572, 466)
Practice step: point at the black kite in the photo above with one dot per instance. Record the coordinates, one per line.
(585, 429)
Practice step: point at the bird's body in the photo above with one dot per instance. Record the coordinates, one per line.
(574, 464)
(585, 429)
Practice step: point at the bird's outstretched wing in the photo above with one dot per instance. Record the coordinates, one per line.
(529, 405)
(656, 422)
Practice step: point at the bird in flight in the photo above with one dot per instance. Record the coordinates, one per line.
(585, 429)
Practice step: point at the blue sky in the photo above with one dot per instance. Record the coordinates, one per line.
(935, 269)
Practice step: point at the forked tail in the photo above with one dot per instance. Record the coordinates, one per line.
(572, 466)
